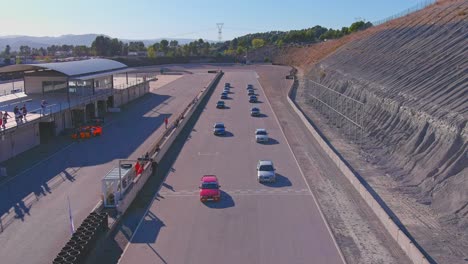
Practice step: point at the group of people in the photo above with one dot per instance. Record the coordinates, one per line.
(20, 116)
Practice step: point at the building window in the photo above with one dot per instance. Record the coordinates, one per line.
(54, 86)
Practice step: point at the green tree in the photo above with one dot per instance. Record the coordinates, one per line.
(25, 50)
(164, 44)
(101, 46)
(136, 46)
(174, 43)
(356, 26)
(205, 49)
(151, 52)
(258, 43)
(280, 43)
(240, 50)
(345, 30)
(18, 60)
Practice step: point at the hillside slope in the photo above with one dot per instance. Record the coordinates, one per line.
(412, 73)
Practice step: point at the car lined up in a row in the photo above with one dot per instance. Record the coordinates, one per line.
(209, 184)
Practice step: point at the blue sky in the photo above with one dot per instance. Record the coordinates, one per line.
(146, 19)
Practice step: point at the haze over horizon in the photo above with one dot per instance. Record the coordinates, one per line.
(146, 19)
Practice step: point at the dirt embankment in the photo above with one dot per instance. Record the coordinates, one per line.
(412, 73)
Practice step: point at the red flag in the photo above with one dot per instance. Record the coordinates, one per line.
(140, 170)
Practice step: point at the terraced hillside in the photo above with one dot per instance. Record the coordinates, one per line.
(412, 74)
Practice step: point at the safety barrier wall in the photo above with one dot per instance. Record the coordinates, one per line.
(163, 144)
(406, 243)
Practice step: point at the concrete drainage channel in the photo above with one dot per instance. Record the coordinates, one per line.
(90, 238)
(399, 233)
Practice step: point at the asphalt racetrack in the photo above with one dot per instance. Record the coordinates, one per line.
(253, 222)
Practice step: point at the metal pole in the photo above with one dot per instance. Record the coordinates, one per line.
(120, 180)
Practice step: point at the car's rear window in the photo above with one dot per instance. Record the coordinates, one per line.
(209, 185)
(219, 126)
(261, 133)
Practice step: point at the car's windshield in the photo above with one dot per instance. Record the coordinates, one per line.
(219, 126)
(209, 185)
(266, 168)
(254, 109)
(261, 133)
(220, 102)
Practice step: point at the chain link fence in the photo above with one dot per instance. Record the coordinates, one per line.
(405, 12)
(341, 111)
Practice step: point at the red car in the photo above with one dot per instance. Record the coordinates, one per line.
(209, 189)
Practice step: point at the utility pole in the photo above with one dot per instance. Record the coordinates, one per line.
(220, 31)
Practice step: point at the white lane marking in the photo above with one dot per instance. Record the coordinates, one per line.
(303, 176)
(167, 193)
(208, 154)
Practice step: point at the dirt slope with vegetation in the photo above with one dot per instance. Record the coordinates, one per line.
(412, 73)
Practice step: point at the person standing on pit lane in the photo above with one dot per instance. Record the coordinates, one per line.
(25, 111)
(5, 117)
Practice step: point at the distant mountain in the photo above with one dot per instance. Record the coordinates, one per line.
(15, 41)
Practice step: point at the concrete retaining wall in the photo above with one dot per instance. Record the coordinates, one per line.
(403, 240)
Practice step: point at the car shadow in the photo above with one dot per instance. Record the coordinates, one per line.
(225, 202)
(256, 102)
(271, 141)
(224, 108)
(260, 116)
(281, 181)
(226, 134)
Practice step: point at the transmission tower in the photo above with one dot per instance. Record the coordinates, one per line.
(220, 31)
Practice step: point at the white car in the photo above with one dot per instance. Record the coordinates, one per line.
(261, 135)
(266, 171)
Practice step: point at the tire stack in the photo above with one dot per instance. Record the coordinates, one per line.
(83, 240)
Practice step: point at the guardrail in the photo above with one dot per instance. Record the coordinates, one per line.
(399, 233)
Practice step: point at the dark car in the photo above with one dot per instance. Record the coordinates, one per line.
(224, 96)
(219, 129)
(249, 86)
(253, 99)
(227, 85)
(251, 92)
(220, 104)
(255, 111)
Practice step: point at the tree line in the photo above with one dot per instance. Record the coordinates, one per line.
(112, 47)
(240, 45)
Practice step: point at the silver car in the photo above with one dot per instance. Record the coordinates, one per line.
(261, 135)
(266, 171)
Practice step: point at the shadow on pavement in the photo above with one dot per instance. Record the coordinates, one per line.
(281, 181)
(271, 141)
(226, 202)
(260, 116)
(152, 226)
(227, 134)
(140, 116)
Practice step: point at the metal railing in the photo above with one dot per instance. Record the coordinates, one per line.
(405, 12)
